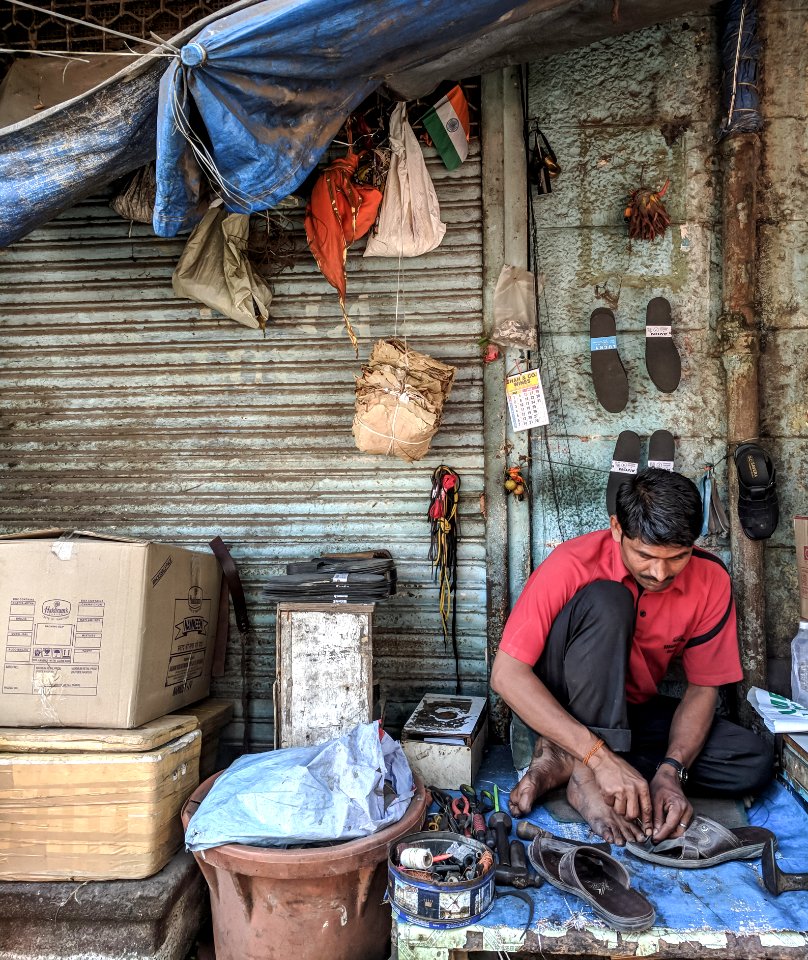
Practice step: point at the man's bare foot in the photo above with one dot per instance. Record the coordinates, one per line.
(584, 795)
(550, 767)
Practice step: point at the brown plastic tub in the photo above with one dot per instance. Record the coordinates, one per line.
(323, 902)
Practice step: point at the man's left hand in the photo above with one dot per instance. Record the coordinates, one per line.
(672, 810)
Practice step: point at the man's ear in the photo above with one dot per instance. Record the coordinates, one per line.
(617, 530)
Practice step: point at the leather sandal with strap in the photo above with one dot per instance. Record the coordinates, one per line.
(705, 843)
(597, 878)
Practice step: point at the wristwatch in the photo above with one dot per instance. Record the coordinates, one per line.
(680, 768)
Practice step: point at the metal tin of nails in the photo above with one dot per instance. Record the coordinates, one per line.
(446, 903)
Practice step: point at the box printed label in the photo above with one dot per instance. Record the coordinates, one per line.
(53, 647)
(189, 644)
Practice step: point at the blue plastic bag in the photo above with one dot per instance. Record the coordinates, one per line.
(334, 791)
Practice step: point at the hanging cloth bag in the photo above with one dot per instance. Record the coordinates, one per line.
(409, 220)
(214, 269)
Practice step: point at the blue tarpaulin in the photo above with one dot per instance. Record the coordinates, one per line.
(273, 84)
(261, 89)
(264, 88)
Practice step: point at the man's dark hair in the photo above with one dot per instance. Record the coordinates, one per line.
(660, 508)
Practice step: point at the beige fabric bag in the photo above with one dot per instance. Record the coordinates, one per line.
(409, 218)
(213, 269)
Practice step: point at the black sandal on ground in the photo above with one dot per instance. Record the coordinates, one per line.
(758, 508)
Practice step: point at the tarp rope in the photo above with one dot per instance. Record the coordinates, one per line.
(444, 520)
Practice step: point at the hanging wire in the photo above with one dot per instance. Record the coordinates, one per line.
(81, 54)
(548, 356)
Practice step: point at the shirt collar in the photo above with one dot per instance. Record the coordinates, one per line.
(622, 575)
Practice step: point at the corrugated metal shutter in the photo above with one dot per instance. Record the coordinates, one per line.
(123, 411)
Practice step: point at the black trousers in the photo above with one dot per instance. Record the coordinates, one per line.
(584, 666)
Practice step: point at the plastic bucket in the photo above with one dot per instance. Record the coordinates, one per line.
(304, 904)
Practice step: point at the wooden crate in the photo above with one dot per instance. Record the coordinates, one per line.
(96, 814)
(324, 683)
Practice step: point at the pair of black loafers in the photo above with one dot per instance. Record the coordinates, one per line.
(758, 509)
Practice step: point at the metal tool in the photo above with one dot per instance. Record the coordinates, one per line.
(777, 881)
(477, 811)
(501, 824)
(461, 811)
(444, 801)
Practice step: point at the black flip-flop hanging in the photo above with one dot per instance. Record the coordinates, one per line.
(661, 356)
(625, 464)
(608, 374)
(444, 521)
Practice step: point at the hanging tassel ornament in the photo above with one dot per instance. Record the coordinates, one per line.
(515, 483)
(444, 521)
(645, 213)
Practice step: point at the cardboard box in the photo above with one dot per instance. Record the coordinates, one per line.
(801, 538)
(103, 631)
(101, 815)
(444, 739)
(211, 717)
(794, 765)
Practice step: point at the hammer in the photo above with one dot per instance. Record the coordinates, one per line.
(501, 824)
(529, 831)
(776, 880)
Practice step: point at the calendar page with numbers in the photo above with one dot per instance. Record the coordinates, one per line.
(526, 401)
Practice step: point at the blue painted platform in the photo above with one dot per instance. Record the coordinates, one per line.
(722, 912)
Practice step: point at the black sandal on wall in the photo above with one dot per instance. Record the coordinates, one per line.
(758, 508)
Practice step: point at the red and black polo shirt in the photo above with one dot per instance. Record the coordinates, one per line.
(693, 618)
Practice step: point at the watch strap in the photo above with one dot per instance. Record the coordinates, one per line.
(680, 768)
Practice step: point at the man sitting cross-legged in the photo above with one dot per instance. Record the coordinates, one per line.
(583, 653)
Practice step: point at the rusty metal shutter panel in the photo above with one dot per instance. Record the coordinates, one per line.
(123, 410)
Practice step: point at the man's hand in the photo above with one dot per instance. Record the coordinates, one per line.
(622, 787)
(672, 810)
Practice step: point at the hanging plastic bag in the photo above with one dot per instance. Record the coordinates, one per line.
(334, 791)
(515, 309)
(136, 200)
(409, 219)
(214, 269)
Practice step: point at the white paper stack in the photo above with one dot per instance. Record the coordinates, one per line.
(780, 714)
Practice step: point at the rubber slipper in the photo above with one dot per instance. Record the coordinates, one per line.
(705, 843)
(758, 507)
(597, 878)
(625, 463)
(608, 373)
(661, 356)
(661, 450)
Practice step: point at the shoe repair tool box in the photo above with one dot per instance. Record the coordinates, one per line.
(103, 631)
(444, 739)
(95, 804)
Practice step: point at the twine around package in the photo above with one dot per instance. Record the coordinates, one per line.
(399, 401)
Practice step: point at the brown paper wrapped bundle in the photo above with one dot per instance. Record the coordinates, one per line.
(399, 401)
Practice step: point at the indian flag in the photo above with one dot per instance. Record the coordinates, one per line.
(447, 123)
